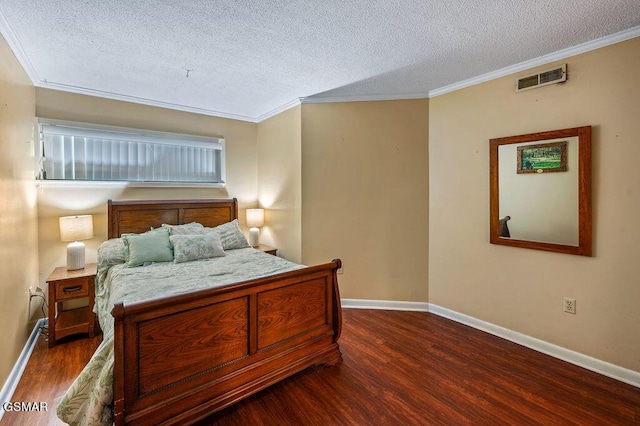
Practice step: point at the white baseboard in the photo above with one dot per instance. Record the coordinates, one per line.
(14, 378)
(388, 305)
(606, 369)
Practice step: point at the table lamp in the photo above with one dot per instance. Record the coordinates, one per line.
(76, 228)
(255, 219)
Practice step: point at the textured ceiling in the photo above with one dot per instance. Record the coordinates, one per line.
(249, 58)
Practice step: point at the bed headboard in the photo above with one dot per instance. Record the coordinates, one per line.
(139, 216)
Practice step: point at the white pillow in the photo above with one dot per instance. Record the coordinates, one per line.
(230, 234)
(195, 247)
(186, 229)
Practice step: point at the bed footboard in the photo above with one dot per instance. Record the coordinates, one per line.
(182, 358)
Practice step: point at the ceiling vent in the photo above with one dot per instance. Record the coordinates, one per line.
(552, 76)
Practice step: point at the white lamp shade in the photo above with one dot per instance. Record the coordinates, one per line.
(76, 228)
(255, 217)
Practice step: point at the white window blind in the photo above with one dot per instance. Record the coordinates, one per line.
(78, 152)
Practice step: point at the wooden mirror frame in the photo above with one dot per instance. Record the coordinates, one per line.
(584, 246)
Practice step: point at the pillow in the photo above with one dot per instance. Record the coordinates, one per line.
(195, 247)
(186, 229)
(152, 246)
(111, 252)
(126, 246)
(230, 234)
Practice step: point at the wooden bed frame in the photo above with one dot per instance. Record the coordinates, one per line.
(179, 359)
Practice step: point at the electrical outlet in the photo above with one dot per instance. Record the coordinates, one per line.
(33, 293)
(570, 305)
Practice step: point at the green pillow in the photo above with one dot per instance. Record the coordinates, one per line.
(126, 246)
(152, 246)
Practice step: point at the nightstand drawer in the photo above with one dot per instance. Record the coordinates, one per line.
(72, 288)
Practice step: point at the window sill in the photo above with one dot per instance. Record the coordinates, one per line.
(122, 184)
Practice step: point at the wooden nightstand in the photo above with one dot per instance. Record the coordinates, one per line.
(267, 249)
(69, 285)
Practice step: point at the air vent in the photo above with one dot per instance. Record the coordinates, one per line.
(552, 76)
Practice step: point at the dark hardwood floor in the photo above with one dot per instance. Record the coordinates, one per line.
(47, 377)
(399, 368)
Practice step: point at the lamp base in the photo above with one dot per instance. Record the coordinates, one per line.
(254, 237)
(75, 256)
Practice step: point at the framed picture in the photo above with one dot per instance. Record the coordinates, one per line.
(542, 158)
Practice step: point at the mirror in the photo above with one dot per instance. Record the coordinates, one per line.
(540, 194)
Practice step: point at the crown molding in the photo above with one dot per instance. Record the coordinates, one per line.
(276, 111)
(16, 47)
(362, 98)
(22, 57)
(139, 100)
(542, 60)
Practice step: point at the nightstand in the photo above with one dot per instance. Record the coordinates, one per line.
(70, 285)
(267, 249)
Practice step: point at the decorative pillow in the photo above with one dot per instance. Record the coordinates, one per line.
(195, 247)
(152, 246)
(231, 235)
(126, 246)
(111, 252)
(186, 229)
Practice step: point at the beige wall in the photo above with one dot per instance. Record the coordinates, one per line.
(522, 289)
(365, 195)
(280, 182)
(18, 214)
(397, 189)
(241, 165)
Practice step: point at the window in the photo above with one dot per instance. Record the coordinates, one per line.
(82, 152)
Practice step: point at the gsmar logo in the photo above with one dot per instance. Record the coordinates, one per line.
(25, 406)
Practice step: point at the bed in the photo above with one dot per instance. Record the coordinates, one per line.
(178, 358)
